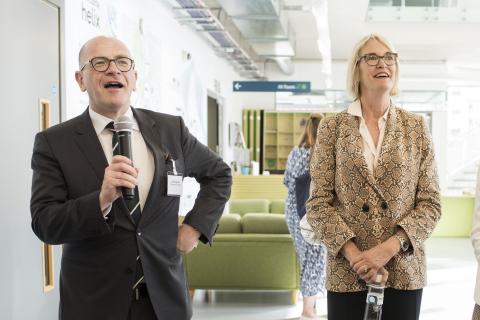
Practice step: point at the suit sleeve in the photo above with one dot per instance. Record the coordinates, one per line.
(56, 219)
(421, 221)
(214, 177)
(322, 212)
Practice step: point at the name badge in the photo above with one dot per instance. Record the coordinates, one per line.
(174, 182)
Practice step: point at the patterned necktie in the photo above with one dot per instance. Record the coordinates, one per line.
(133, 204)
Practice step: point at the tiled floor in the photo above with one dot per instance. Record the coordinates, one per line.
(448, 296)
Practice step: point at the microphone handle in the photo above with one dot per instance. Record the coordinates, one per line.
(125, 148)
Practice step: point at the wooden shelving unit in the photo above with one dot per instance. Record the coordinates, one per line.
(282, 131)
(271, 135)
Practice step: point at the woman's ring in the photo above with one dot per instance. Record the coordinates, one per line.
(365, 269)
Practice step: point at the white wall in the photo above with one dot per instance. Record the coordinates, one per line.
(162, 48)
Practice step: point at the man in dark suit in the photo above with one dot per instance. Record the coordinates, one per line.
(121, 262)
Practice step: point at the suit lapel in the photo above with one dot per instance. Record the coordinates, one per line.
(87, 141)
(152, 139)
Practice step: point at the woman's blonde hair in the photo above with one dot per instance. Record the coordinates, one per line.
(353, 73)
(309, 135)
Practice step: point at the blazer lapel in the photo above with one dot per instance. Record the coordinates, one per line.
(388, 141)
(387, 158)
(152, 139)
(356, 143)
(87, 141)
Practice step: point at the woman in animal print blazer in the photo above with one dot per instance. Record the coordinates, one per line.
(375, 196)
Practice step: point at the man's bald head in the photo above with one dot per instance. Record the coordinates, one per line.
(109, 90)
(85, 51)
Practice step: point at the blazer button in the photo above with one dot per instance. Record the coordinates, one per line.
(129, 271)
(365, 207)
(384, 205)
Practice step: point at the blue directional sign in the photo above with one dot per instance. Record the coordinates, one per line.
(271, 86)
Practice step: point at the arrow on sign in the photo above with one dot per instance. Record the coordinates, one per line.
(271, 86)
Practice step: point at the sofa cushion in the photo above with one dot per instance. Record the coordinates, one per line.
(264, 223)
(230, 223)
(277, 206)
(242, 206)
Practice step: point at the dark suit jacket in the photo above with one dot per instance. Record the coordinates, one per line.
(99, 256)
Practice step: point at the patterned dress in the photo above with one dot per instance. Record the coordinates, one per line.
(311, 258)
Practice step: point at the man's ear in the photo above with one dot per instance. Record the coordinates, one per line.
(136, 78)
(79, 78)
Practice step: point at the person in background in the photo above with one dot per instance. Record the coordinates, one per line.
(122, 257)
(476, 246)
(375, 196)
(310, 257)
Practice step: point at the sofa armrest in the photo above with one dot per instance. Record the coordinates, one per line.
(244, 261)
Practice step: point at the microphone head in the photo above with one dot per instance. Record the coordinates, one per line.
(123, 123)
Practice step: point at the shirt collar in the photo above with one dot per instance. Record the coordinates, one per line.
(100, 121)
(355, 109)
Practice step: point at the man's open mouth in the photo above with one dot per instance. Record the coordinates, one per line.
(113, 84)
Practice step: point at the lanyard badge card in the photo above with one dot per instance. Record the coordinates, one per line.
(174, 182)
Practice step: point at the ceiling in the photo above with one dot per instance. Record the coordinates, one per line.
(415, 41)
(417, 37)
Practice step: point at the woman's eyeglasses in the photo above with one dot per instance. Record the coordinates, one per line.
(372, 59)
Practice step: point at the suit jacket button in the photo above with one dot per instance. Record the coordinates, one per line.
(365, 207)
(384, 205)
(129, 271)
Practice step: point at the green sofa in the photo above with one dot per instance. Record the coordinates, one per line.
(252, 250)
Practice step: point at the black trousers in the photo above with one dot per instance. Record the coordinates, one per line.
(141, 307)
(397, 305)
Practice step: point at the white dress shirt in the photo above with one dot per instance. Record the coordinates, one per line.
(141, 154)
(370, 151)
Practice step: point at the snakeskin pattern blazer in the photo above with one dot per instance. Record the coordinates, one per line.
(347, 202)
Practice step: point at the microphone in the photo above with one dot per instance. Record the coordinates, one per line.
(123, 126)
